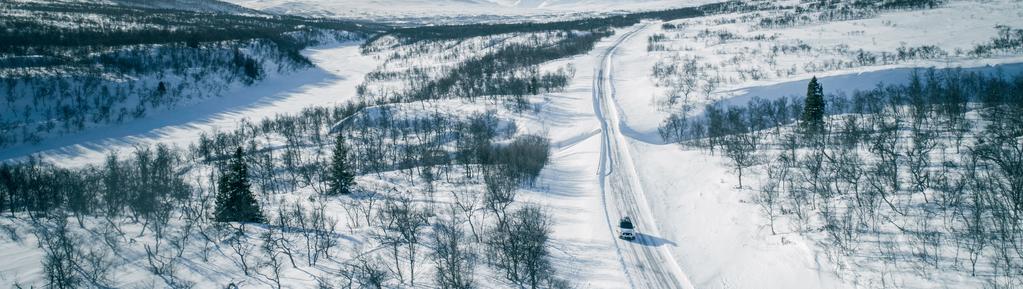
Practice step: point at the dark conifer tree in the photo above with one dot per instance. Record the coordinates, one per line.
(235, 201)
(6, 187)
(813, 111)
(915, 90)
(341, 177)
(252, 69)
(114, 182)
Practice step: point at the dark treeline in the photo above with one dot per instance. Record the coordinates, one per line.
(144, 26)
(927, 171)
(450, 32)
(824, 11)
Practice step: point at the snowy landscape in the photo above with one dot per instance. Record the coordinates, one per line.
(511, 144)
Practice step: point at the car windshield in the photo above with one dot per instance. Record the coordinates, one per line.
(625, 224)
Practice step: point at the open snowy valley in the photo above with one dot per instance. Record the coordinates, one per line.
(511, 144)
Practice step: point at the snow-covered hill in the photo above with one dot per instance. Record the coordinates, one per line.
(214, 6)
(447, 10)
(189, 5)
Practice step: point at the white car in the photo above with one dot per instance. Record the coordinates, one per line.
(626, 229)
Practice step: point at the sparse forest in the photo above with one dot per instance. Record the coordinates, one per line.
(924, 174)
(179, 199)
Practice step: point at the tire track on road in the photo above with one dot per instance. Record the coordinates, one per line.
(647, 263)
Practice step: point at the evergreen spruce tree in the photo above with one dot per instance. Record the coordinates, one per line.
(114, 183)
(916, 97)
(341, 178)
(813, 111)
(235, 201)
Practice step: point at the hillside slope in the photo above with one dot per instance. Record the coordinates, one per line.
(454, 10)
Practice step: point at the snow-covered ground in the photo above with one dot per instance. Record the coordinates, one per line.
(716, 234)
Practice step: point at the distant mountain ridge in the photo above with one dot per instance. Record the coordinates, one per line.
(439, 9)
(184, 5)
(189, 5)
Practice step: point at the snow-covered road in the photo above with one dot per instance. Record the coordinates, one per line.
(647, 261)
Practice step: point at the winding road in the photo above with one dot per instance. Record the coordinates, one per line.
(647, 261)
